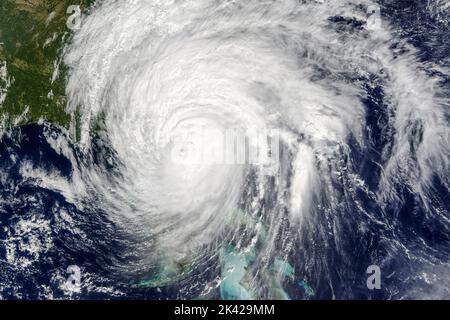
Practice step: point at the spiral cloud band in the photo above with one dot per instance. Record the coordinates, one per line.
(158, 79)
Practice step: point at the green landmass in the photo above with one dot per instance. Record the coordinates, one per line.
(32, 35)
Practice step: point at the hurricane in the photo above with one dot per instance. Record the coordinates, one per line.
(243, 150)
